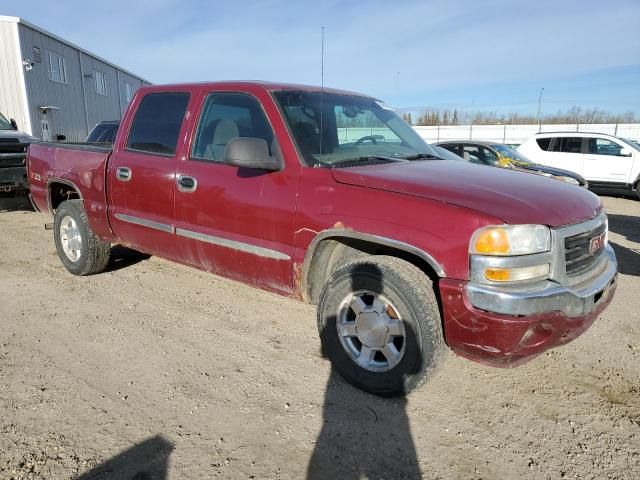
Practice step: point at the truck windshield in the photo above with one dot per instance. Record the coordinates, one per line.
(333, 129)
(4, 123)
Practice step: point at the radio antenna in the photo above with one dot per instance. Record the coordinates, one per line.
(321, 86)
(322, 59)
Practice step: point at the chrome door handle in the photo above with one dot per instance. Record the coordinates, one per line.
(187, 184)
(123, 174)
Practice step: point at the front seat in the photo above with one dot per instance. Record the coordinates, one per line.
(224, 131)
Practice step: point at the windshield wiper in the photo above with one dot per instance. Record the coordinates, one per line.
(421, 156)
(366, 160)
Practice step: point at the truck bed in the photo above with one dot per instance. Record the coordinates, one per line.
(79, 165)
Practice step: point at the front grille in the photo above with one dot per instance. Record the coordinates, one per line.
(12, 154)
(578, 259)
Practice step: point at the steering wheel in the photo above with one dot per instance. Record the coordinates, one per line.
(372, 138)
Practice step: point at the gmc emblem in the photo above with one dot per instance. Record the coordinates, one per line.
(596, 243)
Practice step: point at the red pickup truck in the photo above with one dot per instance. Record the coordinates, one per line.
(329, 197)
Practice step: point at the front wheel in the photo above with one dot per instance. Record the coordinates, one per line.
(380, 325)
(79, 249)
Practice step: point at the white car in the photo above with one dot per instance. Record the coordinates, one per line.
(605, 161)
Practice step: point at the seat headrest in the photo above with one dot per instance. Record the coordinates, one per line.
(225, 130)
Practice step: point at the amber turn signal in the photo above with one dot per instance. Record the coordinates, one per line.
(492, 241)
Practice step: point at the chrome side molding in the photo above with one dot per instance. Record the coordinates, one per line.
(235, 245)
(163, 227)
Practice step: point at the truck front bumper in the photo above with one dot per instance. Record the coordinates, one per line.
(13, 179)
(507, 328)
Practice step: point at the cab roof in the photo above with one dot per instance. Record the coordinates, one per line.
(249, 85)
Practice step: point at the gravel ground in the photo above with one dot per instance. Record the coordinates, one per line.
(157, 371)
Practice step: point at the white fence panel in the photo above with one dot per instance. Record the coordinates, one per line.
(516, 134)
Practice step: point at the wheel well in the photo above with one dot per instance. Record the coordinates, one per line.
(60, 192)
(332, 253)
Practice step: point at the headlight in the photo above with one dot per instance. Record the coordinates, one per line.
(507, 240)
(570, 180)
(510, 253)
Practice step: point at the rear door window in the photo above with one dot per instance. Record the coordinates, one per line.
(568, 144)
(157, 122)
(453, 147)
(544, 143)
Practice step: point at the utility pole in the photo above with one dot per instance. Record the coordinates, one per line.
(539, 103)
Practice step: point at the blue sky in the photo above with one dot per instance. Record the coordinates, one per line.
(494, 54)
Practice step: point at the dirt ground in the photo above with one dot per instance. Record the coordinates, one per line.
(158, 371)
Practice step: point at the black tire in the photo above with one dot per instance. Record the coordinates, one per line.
(638, 190)
(411, 293)
(94, 253)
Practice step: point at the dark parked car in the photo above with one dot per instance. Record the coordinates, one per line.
(445, 154)
(13, 154)
(499, 155)
(104, 132)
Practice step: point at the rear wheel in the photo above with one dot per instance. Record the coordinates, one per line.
(380, 325)
(79, 249)
(638, 190)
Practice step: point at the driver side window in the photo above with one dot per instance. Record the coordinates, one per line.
(489, 157)
(471, 153)
(226, 116)
(602, 146)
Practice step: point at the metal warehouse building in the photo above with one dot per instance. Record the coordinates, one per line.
(52, 87)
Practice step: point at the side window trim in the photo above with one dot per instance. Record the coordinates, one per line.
(584, 145)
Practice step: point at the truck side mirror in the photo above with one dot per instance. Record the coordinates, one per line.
(248, 152)
(13, 123)
(624, 152)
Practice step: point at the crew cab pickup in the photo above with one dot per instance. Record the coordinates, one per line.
(329, 197)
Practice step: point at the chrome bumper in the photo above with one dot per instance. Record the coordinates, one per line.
(552, 297)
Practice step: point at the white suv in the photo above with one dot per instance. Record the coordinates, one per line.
(607, 162)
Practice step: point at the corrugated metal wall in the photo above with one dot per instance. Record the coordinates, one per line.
(11, 92)
(70, 119)
(81, 107)
(100, 107)
(135, 83)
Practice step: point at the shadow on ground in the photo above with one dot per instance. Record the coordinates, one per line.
(123, 257)
(628, 258)
(148, 460)
(363, 436)
(11, 203)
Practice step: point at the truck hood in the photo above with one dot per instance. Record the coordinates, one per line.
(559, 172)
(20, 136)
(510, 196)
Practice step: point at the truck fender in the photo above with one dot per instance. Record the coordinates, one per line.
(342, 233)
(51, 180)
